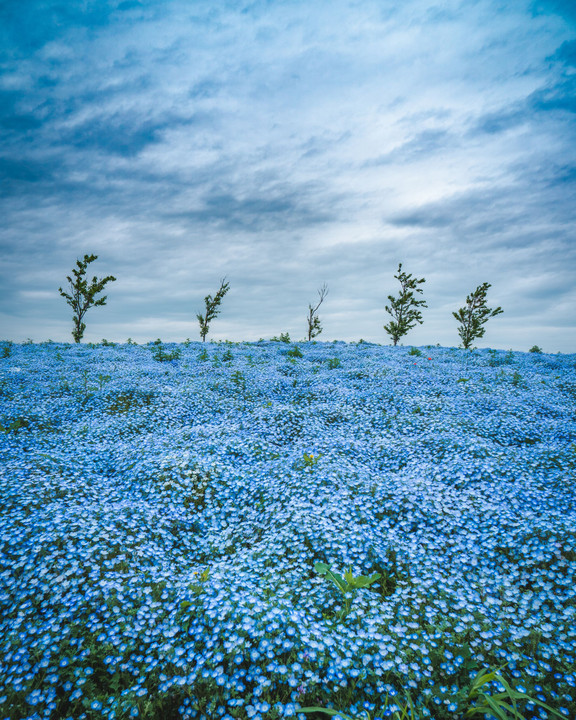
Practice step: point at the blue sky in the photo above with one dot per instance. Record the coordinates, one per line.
(286, 144)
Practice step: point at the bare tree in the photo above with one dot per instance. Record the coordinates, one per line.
(314, 326)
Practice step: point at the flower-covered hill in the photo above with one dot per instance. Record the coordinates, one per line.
(161, 520)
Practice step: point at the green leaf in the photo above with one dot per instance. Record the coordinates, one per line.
(332, 713)
(338, 580)
(365, 581)
(496, 709)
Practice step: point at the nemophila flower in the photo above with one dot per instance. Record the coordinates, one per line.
(450, 494)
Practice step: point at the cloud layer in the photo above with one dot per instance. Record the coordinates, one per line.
(284, 145)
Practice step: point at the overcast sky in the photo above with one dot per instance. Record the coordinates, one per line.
(285, 144)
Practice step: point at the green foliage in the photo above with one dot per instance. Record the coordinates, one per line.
(212, 305)
(406, 713)
(108, 343)
(161, 355)
(535, 349)
(131, 342)
(284, 337)
(103, 380)
(415, 351)
(308, 460)
(6, 348)
(239, 380)
(227, 355)
(19, 423)
(81, 296)
(334, 363)
(348, 584)
(490, 695)
(314, 326)
(516, 378)
(404, 308)
(203, 356)
(295, 352)
(197, 587)
(123, 402)
(501, 705)
(474, 316)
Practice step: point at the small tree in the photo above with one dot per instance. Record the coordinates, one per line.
(314, 326)
(212, 305)
(404, 308)
(83, 296)
(474, 316)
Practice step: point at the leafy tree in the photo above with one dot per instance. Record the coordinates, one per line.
(81, 296)
(404, 308)
(474, 316)
(314, 326)
(212, 308)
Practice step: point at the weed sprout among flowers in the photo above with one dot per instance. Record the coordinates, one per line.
(245, 531)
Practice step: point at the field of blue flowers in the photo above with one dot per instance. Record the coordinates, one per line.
(167, 514)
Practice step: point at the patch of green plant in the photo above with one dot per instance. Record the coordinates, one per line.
(192, 482)
(406, 713)
(502, 705)
(391, 572)
(108, 343)
(489, 695)
(103, 380)
(308, 460)
(284, 337)
(348, 584)
(535, 349)
(160, 354)
(19, 423)
(239, 380)
(415, 352)
(334, 363)
(516, 378)
(123, 402)
(6, 348)
(227, 355)
(197, 587)
(203, 356)
(295, 352)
